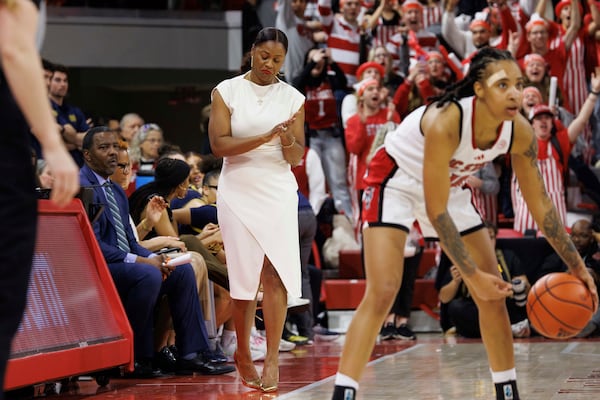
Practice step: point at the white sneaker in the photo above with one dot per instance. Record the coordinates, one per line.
(257, 355)
(284, 345)
(257, 342)
(297, 303)
(521, 329)
(230, 348)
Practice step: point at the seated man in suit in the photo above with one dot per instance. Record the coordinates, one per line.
(141, 276)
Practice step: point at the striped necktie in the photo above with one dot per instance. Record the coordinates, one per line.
(122, 242)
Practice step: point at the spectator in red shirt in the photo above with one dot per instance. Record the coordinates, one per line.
(554, 146)
(427, 78)
(361, 131)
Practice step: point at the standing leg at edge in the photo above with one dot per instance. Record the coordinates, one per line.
(384, 257)
(274, 312)
(493, 320)
(243, 317)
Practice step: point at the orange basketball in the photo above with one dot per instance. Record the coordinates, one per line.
(559, 305)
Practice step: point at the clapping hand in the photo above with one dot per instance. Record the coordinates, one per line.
(283, 127)
(279, 129)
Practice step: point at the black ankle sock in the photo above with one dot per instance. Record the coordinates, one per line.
(343, 393)
(507, 390)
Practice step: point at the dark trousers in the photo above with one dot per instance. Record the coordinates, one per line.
(465, 317)
(316, 280)
(18, 213)
(140, 286)
(403, 302)
(307, 225)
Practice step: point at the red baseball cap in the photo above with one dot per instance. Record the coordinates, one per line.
(539, 110)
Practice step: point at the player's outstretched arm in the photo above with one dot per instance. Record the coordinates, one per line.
(524, 163)
(23, 71)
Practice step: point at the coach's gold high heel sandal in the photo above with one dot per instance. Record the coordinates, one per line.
(255, 383)
(269, 385)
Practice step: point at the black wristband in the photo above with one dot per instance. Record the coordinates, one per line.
(594, 93)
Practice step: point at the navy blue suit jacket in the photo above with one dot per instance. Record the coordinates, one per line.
(104, 227)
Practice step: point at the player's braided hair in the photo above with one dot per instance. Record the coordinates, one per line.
(479, 63)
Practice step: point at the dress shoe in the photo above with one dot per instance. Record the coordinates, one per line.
(165, 360)
(215, 356)
(144, 370)
(174, 350)
(202, 366)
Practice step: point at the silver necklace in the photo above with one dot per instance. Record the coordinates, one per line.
(260, 99)
(266, 90)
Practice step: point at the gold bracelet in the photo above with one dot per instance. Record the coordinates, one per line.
(289, 145)
(143, 224)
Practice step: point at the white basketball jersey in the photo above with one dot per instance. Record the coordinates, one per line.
(406, 144)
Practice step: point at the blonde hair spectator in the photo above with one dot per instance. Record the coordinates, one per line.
(136, 151)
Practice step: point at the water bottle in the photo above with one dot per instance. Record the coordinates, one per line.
(519, 292)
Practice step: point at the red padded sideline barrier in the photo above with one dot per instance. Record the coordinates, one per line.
(351, 263)
(74, 322)
(346, 294)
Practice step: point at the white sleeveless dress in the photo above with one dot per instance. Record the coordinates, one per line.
(257, 203)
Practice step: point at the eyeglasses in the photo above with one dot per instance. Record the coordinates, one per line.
(213, 187)
(124, 167)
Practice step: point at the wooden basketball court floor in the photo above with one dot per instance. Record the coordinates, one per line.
(431, 368)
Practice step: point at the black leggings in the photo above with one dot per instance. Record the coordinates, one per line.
(18, 213)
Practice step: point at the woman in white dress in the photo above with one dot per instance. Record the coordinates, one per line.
(257, 126)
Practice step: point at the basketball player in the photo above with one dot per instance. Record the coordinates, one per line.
(22, 89)
(419, 174)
